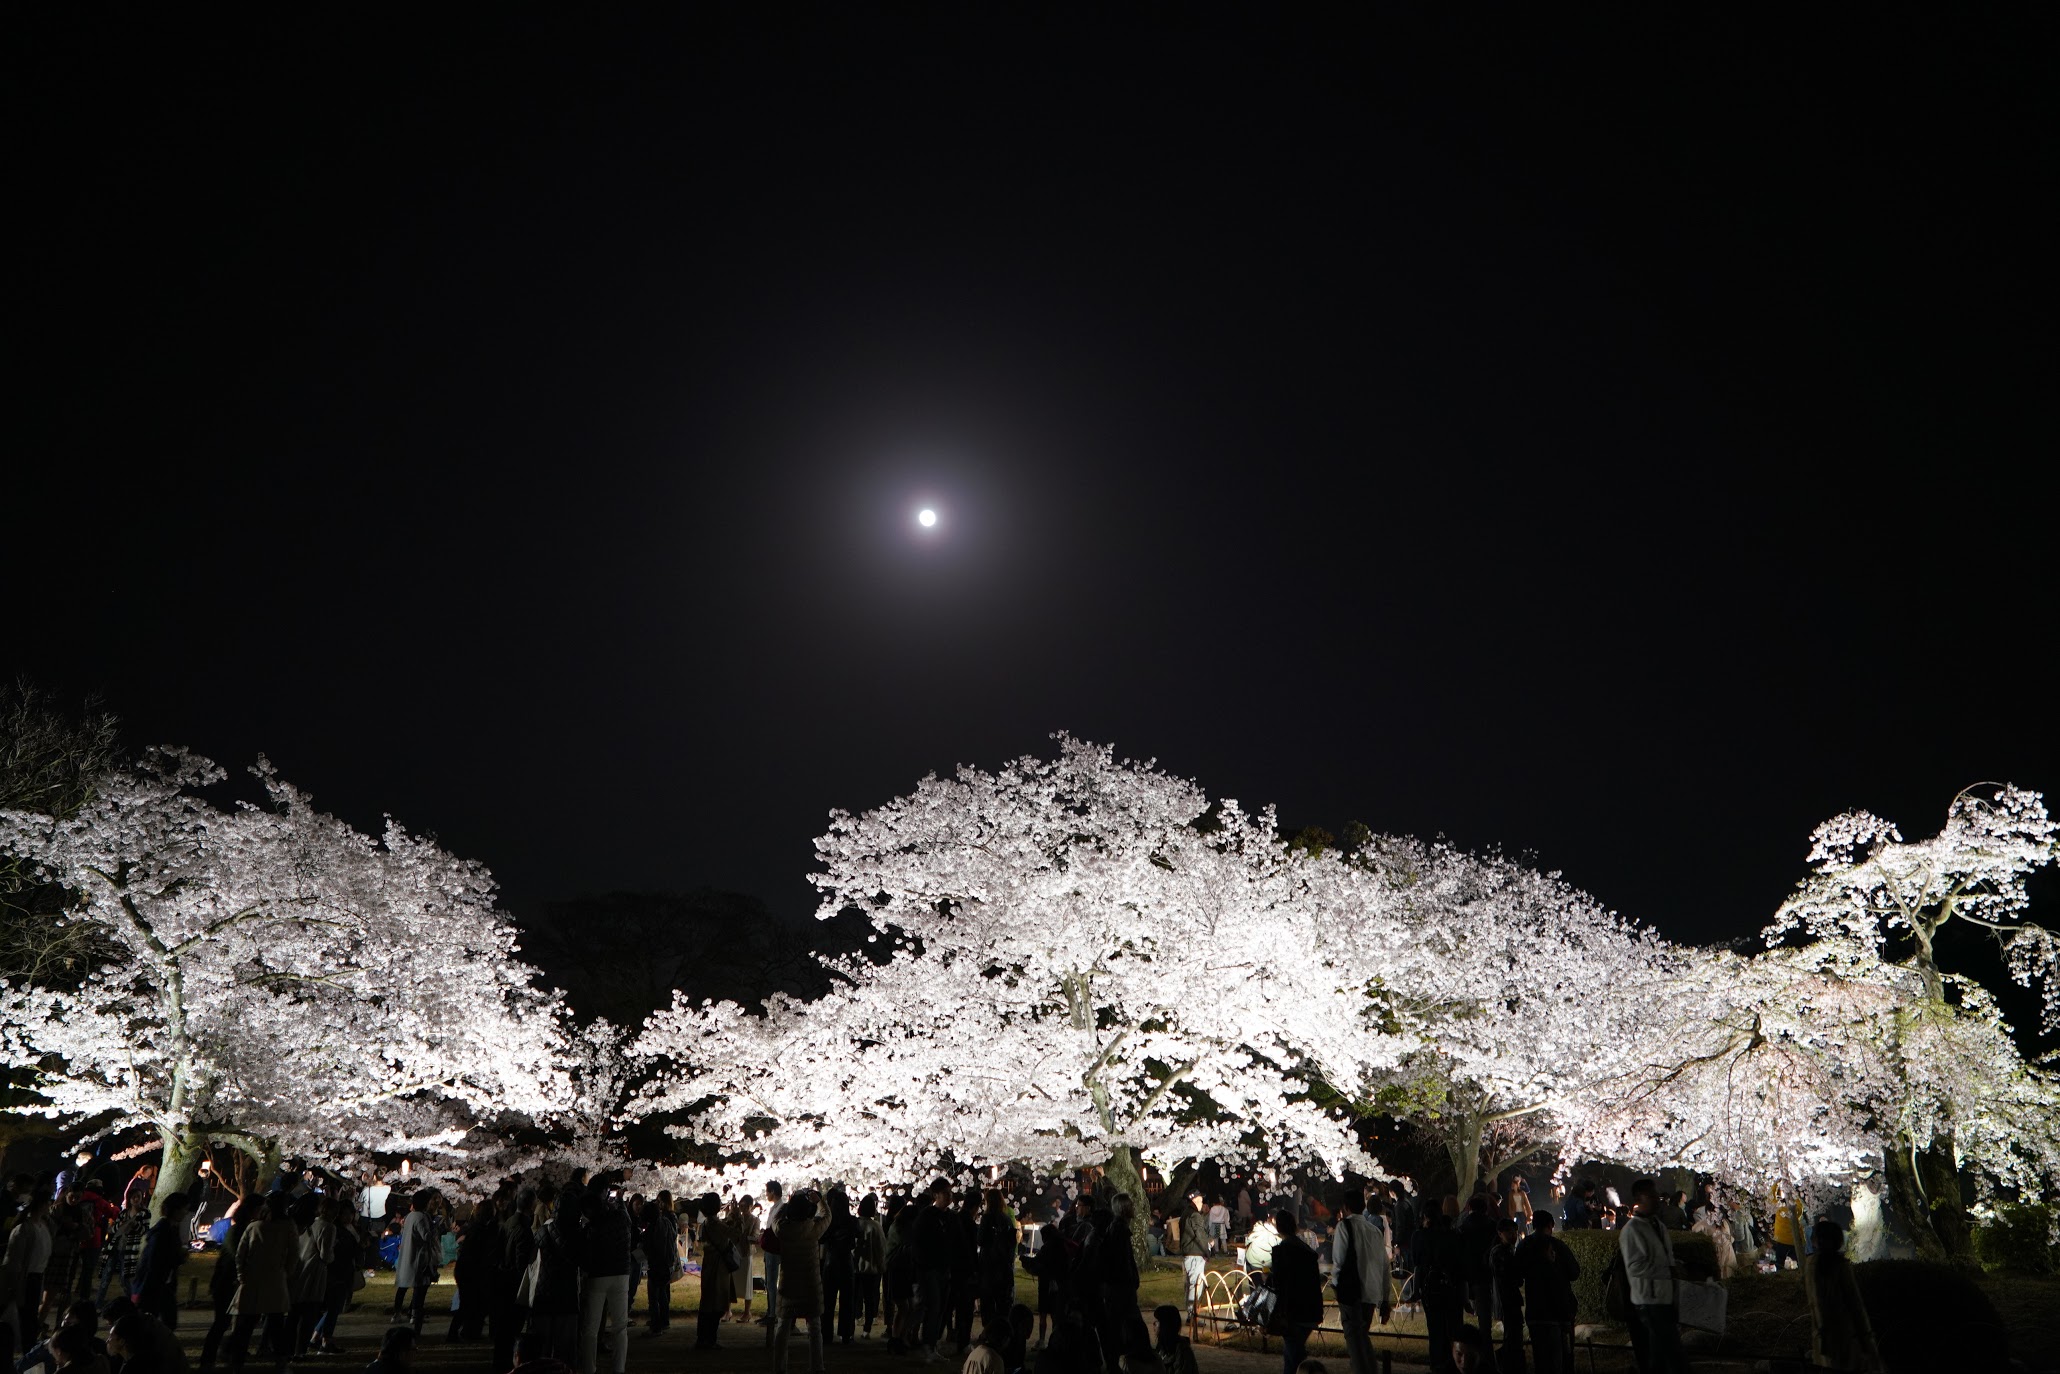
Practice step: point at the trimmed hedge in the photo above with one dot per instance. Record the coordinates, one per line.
(2018, 1241)
(1594, 1249)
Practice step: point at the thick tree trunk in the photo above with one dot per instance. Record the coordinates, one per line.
(180, 1167)
(1465, 1148)
(1924, 1188)
(267, 1158)
(1870, 1236)
(1122, 1172)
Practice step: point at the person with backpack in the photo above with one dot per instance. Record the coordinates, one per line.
(1439, 1266)
(1359, 1273)
(1650, 1272)
(1548, 1268)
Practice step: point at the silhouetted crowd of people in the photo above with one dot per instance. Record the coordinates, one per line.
(546, 1273)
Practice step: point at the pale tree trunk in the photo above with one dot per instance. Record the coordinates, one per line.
(263, 1156)
(180, 1168)
(267, 1158)
(1924, 1178)
(1464, 1146)
(1870, 1238)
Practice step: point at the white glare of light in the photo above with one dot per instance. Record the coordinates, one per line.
(926, 518)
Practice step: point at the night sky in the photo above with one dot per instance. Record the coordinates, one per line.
(1623, 442)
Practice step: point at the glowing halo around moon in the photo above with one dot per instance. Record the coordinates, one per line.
(927, 518)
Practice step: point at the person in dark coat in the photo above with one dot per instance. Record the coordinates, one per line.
(721, 1243)
(476, 1270)
(658, 1235)
(1841, 1336)
(221, 1287)
(1049, 1265)
(1081, 1293)
(607, 1237)
(1114, 1266)
(1476, 1239)
(554, 1304)
(138, 1343)
(511, 1303)
(1548, 1268)
(933, 1252)
(346, 1268)
(836, 1250)
(997, 1262)
(1298, 1290)
(869, 1260)
(164, 1250)
(1506, 1281)
(396, 1352)
(266, 1257)
(802, 1222)
(1439, 1263)
(965, 1268)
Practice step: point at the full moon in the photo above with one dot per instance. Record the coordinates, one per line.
(926, 518)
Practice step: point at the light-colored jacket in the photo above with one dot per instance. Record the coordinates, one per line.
(317, 1252)
(265, 1261)
(28, 1246)
(1259, 1245)
(1648, 1261)
(1369, 1245)
(419, 1253)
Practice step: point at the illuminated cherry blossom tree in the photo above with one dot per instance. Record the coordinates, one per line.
(277, 980)
(1880, 903)
(1845, 1049)
(1523, 995)
(1746, 1068)
(1090, 962)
